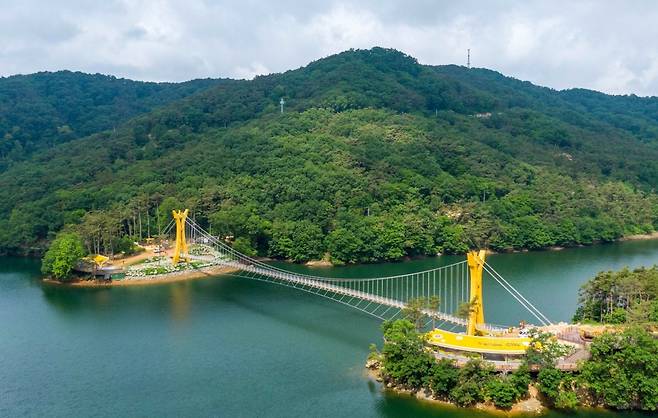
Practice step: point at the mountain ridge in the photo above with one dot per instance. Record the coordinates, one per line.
(376, 157)
(44, 109)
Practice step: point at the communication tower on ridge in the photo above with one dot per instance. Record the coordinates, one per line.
(468, 58)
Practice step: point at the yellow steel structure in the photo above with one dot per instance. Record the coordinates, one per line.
(476, 309)
(471, 341)
(180, 252)
(476, 344)
(99, 260)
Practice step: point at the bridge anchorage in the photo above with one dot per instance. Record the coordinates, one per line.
(449, 297)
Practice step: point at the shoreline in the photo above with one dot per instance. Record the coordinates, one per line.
(219, 270)
(532, 406)
(552, 248)
(202, 273)
(639, 237)
(326, 263)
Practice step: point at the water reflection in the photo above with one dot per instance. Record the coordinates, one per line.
(68, 300)
(180, 301)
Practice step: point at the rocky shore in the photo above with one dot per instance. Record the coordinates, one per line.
(531, 406)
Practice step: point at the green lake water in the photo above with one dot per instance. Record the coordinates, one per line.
(233, 347)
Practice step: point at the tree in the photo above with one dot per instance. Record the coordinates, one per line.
(549, 380)
(501, 392)
(343, 246)
(443, 376)
(124, 245)
(474, 376)
(617, 316)
(163, 212)
(451, 238)
(64, 252)
(297, 241)
(520, 379)
(619, 297)
(465, 309)
(433, 304)
(243, 245)
(467, 393)
(621, 372)
(413, 311)
(405, 360)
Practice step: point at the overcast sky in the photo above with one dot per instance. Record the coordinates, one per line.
(606, 46)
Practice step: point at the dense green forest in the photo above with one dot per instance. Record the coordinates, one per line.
(44, 109)
(376, 157)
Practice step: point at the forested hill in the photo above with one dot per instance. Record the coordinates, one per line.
(375, 157)
(40, 110)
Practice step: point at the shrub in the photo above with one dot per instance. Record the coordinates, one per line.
(501, 392)
(467, 394)
(473, 378)
(549, 379)
(521, 379)
(443, 377)
(566, 399)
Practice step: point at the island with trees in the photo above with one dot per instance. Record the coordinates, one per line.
(618, 321)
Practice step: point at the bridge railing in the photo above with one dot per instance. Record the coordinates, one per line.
(443, 288)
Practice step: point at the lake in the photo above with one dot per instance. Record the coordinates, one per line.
(228, 346)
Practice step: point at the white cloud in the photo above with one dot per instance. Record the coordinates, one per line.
(616, 78)
(251, 71)
(602, 45)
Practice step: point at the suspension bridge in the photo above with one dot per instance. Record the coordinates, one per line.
(444, 290)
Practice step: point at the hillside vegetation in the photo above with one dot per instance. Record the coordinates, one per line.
(376, 157)
(620, 297)
(45, 109)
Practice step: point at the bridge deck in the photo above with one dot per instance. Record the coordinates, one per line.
(293, 278)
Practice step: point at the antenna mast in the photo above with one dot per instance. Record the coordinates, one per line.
(468, 58)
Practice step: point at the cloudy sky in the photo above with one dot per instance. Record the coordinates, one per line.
(602, 45)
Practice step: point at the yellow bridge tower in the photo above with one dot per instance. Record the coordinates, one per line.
(181, 243)
(477, 339)
(476, 309)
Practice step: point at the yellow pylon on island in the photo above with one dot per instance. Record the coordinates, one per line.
(181, 243)
(476, 312)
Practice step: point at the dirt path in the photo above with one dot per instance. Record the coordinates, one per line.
(134, 259)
